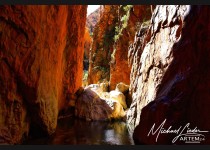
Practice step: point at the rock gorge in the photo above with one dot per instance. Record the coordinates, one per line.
(112, 35)
(102, 46)
(147, 63)
(130, 20)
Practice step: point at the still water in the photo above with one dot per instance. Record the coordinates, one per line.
(72, 131)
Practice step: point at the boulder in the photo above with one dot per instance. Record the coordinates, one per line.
(118, 96)
(121, 87)
(90, 106)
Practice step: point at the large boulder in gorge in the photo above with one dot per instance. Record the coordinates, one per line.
(101, 91)
(173, 74)
(41, 53)
(90, 106)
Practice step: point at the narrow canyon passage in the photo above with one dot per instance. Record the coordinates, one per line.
(106, 77)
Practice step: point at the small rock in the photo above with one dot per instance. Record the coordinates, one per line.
(120, 97)
(121, 87)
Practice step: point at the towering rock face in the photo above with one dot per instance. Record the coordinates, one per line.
(102, 47)
(119, 67)
(173, 75)
(41, 59)
(109, 56)
(74, 51)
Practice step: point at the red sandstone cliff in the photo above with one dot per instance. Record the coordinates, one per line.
(119, 66)
(172, 78)
(102, 47)
(41, 57)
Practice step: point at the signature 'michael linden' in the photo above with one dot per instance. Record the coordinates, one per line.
(179, 132)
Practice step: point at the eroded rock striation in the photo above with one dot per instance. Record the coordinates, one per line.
(102, 47)
(130, 19)
(172, 80)
(41, 64)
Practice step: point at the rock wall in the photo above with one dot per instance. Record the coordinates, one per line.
(102, 47)
(41, 64)
(172, 80)
(119, 67)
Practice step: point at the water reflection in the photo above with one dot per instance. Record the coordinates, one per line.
(80, 132)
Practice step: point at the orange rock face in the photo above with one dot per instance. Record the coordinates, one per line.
(119, 67)
(41, 59)
(102, 46)
(172, 77)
